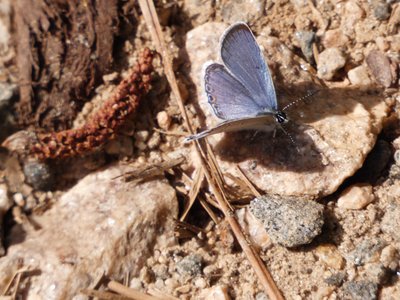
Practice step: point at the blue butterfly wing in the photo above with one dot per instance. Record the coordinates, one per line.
(243, 58)
(227, 96)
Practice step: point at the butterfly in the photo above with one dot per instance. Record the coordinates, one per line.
(240, 91)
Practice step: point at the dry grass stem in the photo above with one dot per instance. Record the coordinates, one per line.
(130, 293)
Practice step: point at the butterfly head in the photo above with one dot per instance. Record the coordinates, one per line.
(280, 117)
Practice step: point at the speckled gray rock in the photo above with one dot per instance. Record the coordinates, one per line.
(190, 265)
(334, 134)
(306, 39)
(382, 11)
(38, 174)
(365, 252)
(360, 290)
(290, 222)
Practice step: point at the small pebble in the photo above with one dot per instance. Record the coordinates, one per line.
(306, 39)
(289, 221)
(5, 201)
(336, 279)
(136, 284)
(19, 199)
(184, 289)
(218, 292)
(141, 135)
(171, 283)
(154, 141)
(335, 38)
(382, 43)
(390, 257)
(330, 256)
(111, 77)
(200, 282)
(160, 271)
(356, 197)
(159, 284)
(361, 290)
(330, 61)
(382, 11)
(38, 174)
(163, 120)
(367, 251)
(379, 65)
(190, 265)
(359, 76)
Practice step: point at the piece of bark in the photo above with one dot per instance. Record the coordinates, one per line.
(63, 49)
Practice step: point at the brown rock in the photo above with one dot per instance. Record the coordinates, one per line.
(380, 67)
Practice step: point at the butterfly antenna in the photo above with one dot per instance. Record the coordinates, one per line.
(309, 94)
(290, 137)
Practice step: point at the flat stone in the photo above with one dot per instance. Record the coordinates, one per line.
(288, 221)
(334, 132)
(356, 197)
(101, 225)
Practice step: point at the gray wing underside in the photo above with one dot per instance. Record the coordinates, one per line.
(263, 122)
(227, 96)
(243, 58)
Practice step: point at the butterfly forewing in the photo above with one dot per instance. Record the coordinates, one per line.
(227, 96)
(242, 56)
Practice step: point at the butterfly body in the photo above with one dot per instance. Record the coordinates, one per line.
(240, 91)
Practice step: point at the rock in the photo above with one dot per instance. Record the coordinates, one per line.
(361, 290)
(353, 13)
(336, 279)
(333, 136)
(288, 221)
(335, 39)
(163, 120)
(190, 265)
(365, 252)
(218, 292)
(329, 61)
(253, 227)
(38, 174)
(390, 257)
(246, 11)
(330, 256)
(100, 225)
(306, 39)
(391, 221)
(356, 197)
(359, 76)
(379, 65)
(382, 11)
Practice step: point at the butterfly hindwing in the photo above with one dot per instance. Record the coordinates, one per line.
(226, 95)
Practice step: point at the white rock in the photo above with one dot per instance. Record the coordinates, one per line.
(163, 120)
(334, 134)
(356, 197)
(101, 225)
(329, 61)
(218, 292)
(359, 76)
